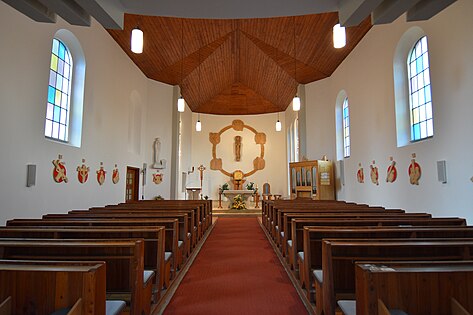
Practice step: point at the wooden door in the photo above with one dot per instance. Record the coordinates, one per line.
(132, 180)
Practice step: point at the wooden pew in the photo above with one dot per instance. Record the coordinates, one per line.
(193, 221)
(279, 213)
(286, 226)
(124, 259)
(154, 254)
(185, 232)
(298, 226)
(171, 230)
(42, 287)
(339, 256)
(417, 288)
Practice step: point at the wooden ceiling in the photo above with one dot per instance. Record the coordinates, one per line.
(240, 66)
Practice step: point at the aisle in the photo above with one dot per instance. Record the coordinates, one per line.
(236, 272)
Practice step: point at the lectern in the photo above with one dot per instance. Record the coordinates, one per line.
(193, 193)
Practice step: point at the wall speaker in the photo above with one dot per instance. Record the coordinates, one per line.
(341, 171)
(442, 171)
(30, 175)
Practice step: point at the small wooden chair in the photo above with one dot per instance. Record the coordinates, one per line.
(266, 191)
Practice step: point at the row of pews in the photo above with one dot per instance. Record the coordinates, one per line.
(358, 259)
(117, 259)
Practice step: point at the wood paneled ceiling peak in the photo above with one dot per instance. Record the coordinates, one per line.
(240, 66)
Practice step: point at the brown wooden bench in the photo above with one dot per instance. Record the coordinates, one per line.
(124, 259)
(285, 233)
(171, 230)
(339, 257)
(413, 287)
(154, 254)
(43, 287)
(299, 225)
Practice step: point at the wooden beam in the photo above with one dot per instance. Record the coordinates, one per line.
(70, 11)
(33, 9)
(390, 10)
(109, 13)
(426, 9)
(352, 13)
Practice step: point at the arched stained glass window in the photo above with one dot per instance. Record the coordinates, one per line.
(420, 92)
(346, 128)
(59, 92)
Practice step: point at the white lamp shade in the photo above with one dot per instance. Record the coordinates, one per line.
(296, 103)
(181, 105)
(278, 125)
(137, 41)
(198, 126)
(339, 36)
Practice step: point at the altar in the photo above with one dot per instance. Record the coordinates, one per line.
(232, 193)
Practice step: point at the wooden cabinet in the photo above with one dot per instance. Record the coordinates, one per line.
(312, 179)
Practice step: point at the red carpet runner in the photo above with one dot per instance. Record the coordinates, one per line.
(236, 272)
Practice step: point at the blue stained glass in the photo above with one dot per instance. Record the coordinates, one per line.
(419, 65)
(428, 96)
(62, 51)
(52, 78)
(55, 47)
(51, 94)
(60, 66)
(59, 82)
(57, 113)
(416, 131)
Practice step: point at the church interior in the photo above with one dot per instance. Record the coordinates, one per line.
(245, 122)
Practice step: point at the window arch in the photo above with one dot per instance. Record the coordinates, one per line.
(420, 98)
(64, 104)
(406, 118)
(59, 92)
(346, 128)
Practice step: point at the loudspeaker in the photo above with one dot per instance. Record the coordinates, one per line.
(442, 171)
(30, 175)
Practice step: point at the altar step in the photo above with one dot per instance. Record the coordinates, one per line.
(234, 212)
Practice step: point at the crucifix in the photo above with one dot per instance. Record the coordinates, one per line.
(201, 169)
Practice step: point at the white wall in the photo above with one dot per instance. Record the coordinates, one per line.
(367, 77)
(275, 152)
(114, 88)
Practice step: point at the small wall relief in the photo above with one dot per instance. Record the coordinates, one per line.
(414, 170)
(101, 175)
(391, 175)
(360, 174)
(59, 170)
(83, 172)
(157, 178)
(115, 175)
(374, 173)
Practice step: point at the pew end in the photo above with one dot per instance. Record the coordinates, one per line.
(5, 307)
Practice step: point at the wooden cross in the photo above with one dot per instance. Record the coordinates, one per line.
(201, 169)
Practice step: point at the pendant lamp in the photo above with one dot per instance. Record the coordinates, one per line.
(137, 40)
(296, 101)
(339, 36)
(181, 104)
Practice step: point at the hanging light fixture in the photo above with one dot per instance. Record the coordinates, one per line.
(278, 124)
(296, 101)
(137, 40)
(181, 105)
(198, 124)
(339, 36)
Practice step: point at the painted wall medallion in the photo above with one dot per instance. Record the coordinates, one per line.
(360, 174)
(391, 175)
(83, 172)
(415, 171)
(59, 170)
(374, 175)
(101, 175)
(115, 175)
(157, 178)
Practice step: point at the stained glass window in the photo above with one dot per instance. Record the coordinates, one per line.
(59, 91)
(420, 92)
(346, 129)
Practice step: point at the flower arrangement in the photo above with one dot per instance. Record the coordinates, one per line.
(225, 186)
(250, 186)
(238, 203)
